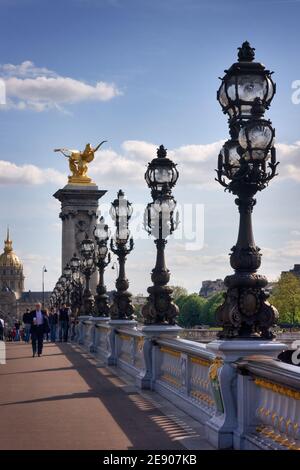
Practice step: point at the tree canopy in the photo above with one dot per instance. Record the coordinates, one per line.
(286, 298)
(196, 310)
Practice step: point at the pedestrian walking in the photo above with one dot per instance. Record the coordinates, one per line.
(53, 321)
(46, 333)
(27, 325)
(17, 330)
(39, 326)
(64, 320)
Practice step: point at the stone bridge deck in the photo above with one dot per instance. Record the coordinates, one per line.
(68, 400)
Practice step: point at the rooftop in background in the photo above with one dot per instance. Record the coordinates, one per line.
(295, 270)
(212, 287)
(32, 297)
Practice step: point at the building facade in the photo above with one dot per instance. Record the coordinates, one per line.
(212, 287)
(295, 270)
(14, 300)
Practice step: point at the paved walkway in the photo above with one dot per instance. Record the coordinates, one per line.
(67, 400)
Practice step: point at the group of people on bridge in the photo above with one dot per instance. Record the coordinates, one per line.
(41, 325)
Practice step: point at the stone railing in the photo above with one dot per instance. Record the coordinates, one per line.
(129, 346)
(205, 335)
(273, 420)
(245, 397)
(198, 334)
(181, 374)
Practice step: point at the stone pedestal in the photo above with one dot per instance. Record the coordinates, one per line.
(115, 324)
(151, 332)
(79, 205)
(94, 339)
(223, 376)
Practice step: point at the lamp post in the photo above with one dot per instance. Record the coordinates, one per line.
(77, 288)
(44, 270)
(63, 282)
(68, 276)
(161, 176)
(102, 259)
(122, 244)
(59, 289)
(246, 165)
(87, 251)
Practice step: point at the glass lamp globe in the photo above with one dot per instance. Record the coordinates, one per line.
(74, 262)
(101, 231)
(230, 156)
(67, 271)
(76, 275)
(244, 82)
(87, 247)
(161, 172)
(256, 139)
(88, 263)
(102, 250)
(121, 207)
(122, 235)
(165, 206)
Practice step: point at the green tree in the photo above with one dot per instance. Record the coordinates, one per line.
(286, 298)
(191, 308)
(181, 300)
(210, 307)
(179, 291)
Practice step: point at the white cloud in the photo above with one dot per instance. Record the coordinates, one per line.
(40, 89)
(10, 173)
(32, 270)
(196, 164)
(289, 157)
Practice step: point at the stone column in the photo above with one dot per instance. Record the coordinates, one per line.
(79, 205)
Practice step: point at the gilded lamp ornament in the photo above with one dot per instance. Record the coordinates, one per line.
(79, 162)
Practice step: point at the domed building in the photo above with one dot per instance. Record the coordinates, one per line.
(11, 270)
(13, 299)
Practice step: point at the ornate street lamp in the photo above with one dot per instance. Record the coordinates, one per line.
(67, 272)
(55, 298)
(161, 175)
(246, 164)
(102, 259)
(245, 81)
(122, 244)
(87, 251)
(77, 287)
(159, 222)
(59, 290)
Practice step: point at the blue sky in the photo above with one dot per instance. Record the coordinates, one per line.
(159, 63)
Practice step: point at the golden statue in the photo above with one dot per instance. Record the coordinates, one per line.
(78, 163)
